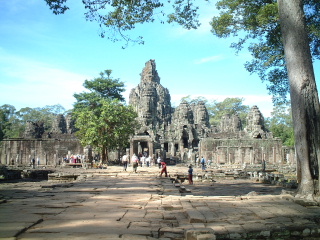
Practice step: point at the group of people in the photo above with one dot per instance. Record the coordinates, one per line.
(136, 161)
(147, 160)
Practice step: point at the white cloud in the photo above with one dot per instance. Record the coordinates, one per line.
(209, 59)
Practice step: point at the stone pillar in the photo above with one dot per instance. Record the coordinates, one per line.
(150, 146)
(240, 155)
(139, 148)
(172, 149)
(131, 150)
(274, 156)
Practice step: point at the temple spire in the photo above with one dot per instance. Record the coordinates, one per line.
(149, 72)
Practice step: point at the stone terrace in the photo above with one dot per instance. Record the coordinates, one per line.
(111, 204)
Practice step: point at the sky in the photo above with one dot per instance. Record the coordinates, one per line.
(45, 58)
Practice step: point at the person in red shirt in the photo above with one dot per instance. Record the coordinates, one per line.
(164, 169)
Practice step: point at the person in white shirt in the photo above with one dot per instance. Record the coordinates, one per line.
(143, 161)
(135, 162)
(148, 161)
(125, 160)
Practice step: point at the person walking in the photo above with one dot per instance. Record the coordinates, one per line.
(203, 164)
(164, 169)
(33, 163)
(135, 162)
(190, 174)
(148, 161)
(125, 160)
(159, 162)
(142, 161)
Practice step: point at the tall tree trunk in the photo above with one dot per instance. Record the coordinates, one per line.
(304, 94)
(103, 154)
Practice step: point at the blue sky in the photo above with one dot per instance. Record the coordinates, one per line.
(44, 58)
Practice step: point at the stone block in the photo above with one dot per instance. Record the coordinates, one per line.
(195, 216)
(193, 234)
(206, 237)
(171, 233)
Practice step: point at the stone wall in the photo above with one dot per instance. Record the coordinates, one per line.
(48, 151)
(240, 151)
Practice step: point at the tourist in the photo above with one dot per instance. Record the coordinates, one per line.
(198, 162)
(190, 174)
(209, 163)
(164, 169)
(125, 162)
(263, 165)
(159, 162)
(143, 161)
(135, 162)
(148, 161)
(203, 163)
(33, 163)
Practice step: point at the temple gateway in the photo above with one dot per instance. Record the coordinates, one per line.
(182, 133)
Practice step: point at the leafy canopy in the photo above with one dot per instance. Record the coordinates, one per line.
(102, 87)
(230, 106)
(256, 25)
(102, 120)
(107, 127)
(281, 125)
(13, 122)
(117, 17)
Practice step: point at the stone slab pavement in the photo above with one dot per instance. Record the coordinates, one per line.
(112, 204)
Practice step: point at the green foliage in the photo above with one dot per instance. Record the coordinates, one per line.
(103, 122)
(101, 87)
(57, 6)
(117, 17)
(190, 100)
(281, 125)
(6, 114)
(107, 127)
(258, 21)
(230, 106)
(13, 122)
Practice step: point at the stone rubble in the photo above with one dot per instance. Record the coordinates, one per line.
(112, 204)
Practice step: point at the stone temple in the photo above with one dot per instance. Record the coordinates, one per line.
(182, 133)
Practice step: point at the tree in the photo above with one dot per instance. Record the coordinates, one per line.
(190, 100)
(46, 115)
(280, 123)
(279, 56)
(13, 122)
(256, 25)
(101, 87)
(6, 113)
(103, 122)
(304, 94)
(230, 106)
(105, 128)
(117, 17)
